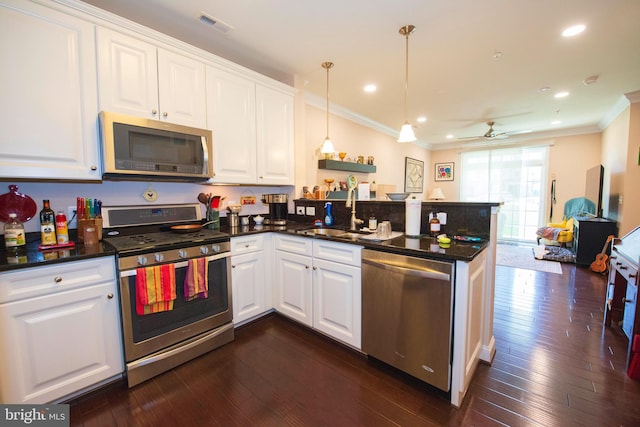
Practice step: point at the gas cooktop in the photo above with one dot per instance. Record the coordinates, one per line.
(164, 239)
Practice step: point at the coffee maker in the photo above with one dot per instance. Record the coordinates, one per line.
(278, 208)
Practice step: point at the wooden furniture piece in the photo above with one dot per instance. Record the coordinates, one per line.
(621, 302)
(589, 236)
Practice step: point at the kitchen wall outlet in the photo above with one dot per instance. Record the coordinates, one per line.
(311, 211)
(299, 210)
(442, 217)
(71, 213)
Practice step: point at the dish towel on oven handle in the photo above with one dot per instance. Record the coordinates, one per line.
(196, 283)
(155, 289)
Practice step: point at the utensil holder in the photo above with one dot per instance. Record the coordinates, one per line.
(213, 215)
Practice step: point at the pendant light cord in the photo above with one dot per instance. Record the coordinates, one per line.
(327, 66)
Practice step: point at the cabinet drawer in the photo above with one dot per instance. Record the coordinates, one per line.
(624, 267)
(43, 280)
(246, 244)
(297, 245)
(344, 253)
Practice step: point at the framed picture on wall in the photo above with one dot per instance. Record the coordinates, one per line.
(413, 175)
(444, 171)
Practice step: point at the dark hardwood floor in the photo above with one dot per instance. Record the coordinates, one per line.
(555, 365)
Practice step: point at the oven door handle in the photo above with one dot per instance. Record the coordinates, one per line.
(180, 264)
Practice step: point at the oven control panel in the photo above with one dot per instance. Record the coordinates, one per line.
(172, 255)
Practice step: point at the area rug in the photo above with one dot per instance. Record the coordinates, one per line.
(523, 257)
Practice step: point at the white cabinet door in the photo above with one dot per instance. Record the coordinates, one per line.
(292, 287)
(252, 130)
(231, 115)
(49, 100)
(274, 124)
(58, 344)
(142, 80)
(128, 75)
(337, 301)
(247, 278)
(182, 81)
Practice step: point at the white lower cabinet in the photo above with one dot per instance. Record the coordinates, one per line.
(59, 330)
(250, 273)
(318, 283)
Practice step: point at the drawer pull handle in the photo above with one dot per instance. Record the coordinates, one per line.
(58, 279)
(624, 300)
(110, 296)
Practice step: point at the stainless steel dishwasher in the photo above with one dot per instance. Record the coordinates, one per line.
(407, 314)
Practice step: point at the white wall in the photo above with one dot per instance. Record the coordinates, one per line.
(355, 140)
(569, 159)
(112, 193)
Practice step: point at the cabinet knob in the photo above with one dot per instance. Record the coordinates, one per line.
(110, 296)
(315, 268)
(246, 246)
(57, 279)
(306, 266)
(165, 114)
(233, 266)
(94, 168)
(154, 112)
(624, 300)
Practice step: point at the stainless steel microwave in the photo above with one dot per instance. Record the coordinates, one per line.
(137, 148)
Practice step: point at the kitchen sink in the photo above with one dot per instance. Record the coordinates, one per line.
(329, 232)
(332, 232)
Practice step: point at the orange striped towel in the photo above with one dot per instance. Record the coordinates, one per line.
(155, 289)
(196, 283)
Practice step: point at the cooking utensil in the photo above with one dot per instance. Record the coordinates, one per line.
(203, 198)
(189, 228)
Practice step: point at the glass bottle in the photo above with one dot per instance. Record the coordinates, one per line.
(47, 225)
(373, 223)
(434, 225)
(14, 235)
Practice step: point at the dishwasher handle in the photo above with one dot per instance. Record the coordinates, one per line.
(426, 273)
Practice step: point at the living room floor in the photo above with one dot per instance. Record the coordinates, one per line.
(555, 365)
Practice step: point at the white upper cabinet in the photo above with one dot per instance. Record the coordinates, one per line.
(252, 130)
(142, 80)
(274, 124)
(49, 103)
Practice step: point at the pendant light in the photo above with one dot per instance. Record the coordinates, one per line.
(406, 133)
(327, 145)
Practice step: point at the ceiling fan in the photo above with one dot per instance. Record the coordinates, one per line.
(491, 133)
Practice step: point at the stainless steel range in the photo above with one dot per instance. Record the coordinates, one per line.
(159, 341)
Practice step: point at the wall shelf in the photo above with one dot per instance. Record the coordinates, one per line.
(338, 165)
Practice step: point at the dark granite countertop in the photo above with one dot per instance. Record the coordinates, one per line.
(34, 257)
(423, 247)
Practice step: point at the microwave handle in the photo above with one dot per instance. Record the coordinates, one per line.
(205, 151)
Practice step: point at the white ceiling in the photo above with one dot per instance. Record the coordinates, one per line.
(454, 79)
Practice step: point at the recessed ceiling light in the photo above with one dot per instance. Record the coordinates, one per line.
(573, 30)
(556, 122)
(561, 94)
(370, 88)
(421, 119)
(450, 136)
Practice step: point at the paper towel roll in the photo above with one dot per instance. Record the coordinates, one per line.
(413, 211)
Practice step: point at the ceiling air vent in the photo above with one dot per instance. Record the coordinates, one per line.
(215, 23)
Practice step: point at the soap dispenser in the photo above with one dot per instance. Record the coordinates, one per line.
(328, 215)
